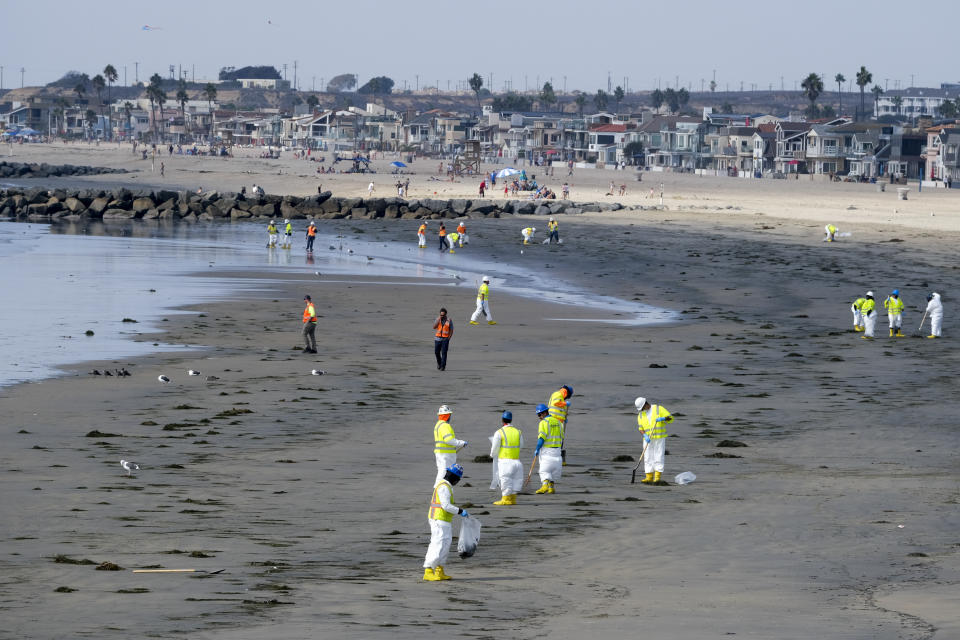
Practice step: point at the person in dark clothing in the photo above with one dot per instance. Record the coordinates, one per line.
(443, 327)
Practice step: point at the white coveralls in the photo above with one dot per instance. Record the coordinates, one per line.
(551, 464)
(507, 472)
(421, 240)
(483, 304)
(272, 237)
(896, 319)
(857, 316)
(657, 447)
(528, 234)
(452, 239)
(935, 309)
(869, 321)
(441, 532)
(445, 460)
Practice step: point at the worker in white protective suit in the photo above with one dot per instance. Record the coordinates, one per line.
(440, 515)
(856, 308)
(894, 306)
(831, 231)
(422, 236)
(935, 311)
(652, 420)
(527, 234)
(549, 441)
(505, 447)
(445, 443)
(483, 303)
(869, 311)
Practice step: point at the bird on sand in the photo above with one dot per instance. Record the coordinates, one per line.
(163, 379)
(95, 372)
(193, 372)
(317, 372)
(129, 466)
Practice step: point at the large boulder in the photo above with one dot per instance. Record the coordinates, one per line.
(73, 205)
(349, 204)
(482, 206)
(330, 205)
(460, 206)
(524, 207)
(542, 210)
(239, 214)
(214, 211)
(142, 205)
(391, 212)
(39, 209)
(118, 214)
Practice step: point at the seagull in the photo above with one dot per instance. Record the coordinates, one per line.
(107, 373)
(212, 378)
(350, 251)
(371, 257)
(125, 373)
(95, 372)
(129, 466)
(318, 273)
(163, 379)
(317, 372)
(193, 372)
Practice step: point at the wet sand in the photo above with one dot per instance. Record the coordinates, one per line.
(837, 520)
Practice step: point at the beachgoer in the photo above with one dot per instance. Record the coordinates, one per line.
(441, 343)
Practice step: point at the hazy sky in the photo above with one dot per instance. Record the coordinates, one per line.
(522, 42)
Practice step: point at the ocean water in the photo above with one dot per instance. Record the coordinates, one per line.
(61, 280)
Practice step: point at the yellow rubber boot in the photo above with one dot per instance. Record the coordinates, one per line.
(891, 332)
(931, 336)
(656, 477)
(474, 322)
(550, 489)
(513, 499)
(502, 501)
(440, 574)
(430, 575)
(647, 479)
(492, 322)
(899, 333)
(544, 487)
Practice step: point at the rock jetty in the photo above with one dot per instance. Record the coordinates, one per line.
(41, 204)
(28, 170)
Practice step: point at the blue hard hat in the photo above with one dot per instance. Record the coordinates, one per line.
(569, 390)
(896, 292)
(456, 470)
(507, 416)
(541, 408)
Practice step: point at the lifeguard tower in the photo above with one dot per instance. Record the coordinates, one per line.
(469, 161)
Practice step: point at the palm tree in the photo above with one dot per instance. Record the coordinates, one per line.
(600, 100)
(182, 98)
(864, 78)
(877, 92)
(476, 83)
(210, 93)
(618, 95)
(547, 95)
(80, 89)
(898, 102)
(90, 116)
(99, 84)
(812, 86)
(580, 100)
(157, 97)
(656, 99)
(128, 111)
(839, 79)
(110, 74)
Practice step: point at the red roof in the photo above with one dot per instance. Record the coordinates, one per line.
(610, 128)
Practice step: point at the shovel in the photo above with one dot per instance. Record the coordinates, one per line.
(633, 476)
(919, 333)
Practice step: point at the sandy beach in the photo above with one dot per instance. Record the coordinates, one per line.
(837, 518)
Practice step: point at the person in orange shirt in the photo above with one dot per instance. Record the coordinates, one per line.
(311, 235)
(441, 342)
(422, 235)
(309, 326)
(462, 231)
(443, 237)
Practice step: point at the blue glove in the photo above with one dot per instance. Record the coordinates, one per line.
(661, 419)
(463, 512)
(536, 452)
(646, 438)
(465, 443)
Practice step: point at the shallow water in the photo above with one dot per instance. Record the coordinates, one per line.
(61, 280)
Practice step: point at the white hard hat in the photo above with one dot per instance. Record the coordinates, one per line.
(443, 410)
(639, 402)
(870, 293)
(272, 222)
(533, 228)
(551, 219)
(486, 278)
(286, 222)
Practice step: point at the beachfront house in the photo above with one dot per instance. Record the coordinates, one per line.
(914, 102)
(673, 143)
(942, 154)
(731, 150)
(791, 147)
(606, 143)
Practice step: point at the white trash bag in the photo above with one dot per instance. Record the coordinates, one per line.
(469, 537)
(685, 478)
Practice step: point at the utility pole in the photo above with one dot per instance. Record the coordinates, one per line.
(136, 73)
(193, 73)
(284, 70)
(295, 75)
(564, 84)
(781, 83)
(911, 80)
(417, 76)
(1, 77)
(313, 83)
(22, 71)
(172, 69)
(609, 83)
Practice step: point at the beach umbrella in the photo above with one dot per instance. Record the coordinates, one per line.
(397, 163)
(27, 132)
(506, 173)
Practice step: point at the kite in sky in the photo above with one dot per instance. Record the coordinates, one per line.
(147, 27)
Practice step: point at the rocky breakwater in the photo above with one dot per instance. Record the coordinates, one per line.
(123, 204)
(44, 170)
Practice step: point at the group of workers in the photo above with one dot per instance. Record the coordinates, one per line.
(864, 311)
(507, 470)
(272, 235)
(447, 240)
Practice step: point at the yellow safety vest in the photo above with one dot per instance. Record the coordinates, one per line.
(652, 428)
(483, 293)
(858, 303)
(437, 512)
(893, 305)
(509, 442)
(558, 406)
(552, 226)
(442, 432)
(551, 430)
(271, 229)
(867, 306)
(289, 229)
